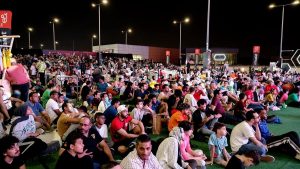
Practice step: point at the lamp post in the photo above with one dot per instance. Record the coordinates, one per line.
(93, 37)
(271, 6)
(54, 20)
(30, 29)
(129, 30)
(186, 20)
(207, 26)
(103, 2)
(41, 45)
(206, 58)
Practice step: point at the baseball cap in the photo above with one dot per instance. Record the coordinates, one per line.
(121, 108)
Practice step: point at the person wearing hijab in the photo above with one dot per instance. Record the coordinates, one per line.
(24, 129)
(168, 152)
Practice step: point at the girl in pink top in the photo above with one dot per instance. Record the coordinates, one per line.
(284, 96)
(193, 157)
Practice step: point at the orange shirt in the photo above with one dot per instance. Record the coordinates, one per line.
(175, 119)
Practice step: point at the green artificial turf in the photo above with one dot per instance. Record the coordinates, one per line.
(290, 118)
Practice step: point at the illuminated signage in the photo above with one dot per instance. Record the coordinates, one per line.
(219, 57)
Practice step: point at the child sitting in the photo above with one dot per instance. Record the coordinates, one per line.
(217, 143)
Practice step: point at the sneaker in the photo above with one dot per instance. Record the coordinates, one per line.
(267, 158)
(52, 147)
(297, 156)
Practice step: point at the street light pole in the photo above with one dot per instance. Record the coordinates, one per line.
(180, 59)
(281, 37)
(186, 20)
(207, 26)
(296, 2)
(126, 37)
(93, 37)
(99, 34)
(128, 30)
(54, 20)
(104, 2)
(29, 30)
(207, 58)
(53, 29)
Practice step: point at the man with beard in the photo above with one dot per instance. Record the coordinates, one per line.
(94, 143)
(10, 153)
(124, 129)
(203, 120)
(141, 156)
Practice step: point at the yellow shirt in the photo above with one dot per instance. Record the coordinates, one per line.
(62, 124)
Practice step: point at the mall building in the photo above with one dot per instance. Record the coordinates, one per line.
(158, 54)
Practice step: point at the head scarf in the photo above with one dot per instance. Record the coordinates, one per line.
(21, 110)
(176, 133)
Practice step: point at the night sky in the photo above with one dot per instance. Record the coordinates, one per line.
(234, 23)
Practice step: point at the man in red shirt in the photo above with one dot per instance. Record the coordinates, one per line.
(124, 129)
(250, 99)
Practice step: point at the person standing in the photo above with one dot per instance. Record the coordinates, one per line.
(19, 79)
(41, 66)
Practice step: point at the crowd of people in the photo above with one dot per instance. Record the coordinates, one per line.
(107, 112)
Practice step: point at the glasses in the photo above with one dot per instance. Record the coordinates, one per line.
(82, 124)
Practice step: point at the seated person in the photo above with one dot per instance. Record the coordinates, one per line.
(270, 98)
(241, 109)
(100, 126)
(203, 121)
(217, 145)
(282, 97)
(11, 157)
(193, 157)
(287, 143)
(244, 138)
(141, 156)
(120, 132)
(41, 116)
(93, 143)
(168, 153)
(24, 129)
(52, 107)
(243, 160)
(294, 98)
(183, 113)
(67, 118)
(74, 156)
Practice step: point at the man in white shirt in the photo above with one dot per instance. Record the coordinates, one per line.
(190, 99)
(52, 107)
(244, 138)
(141, 156)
